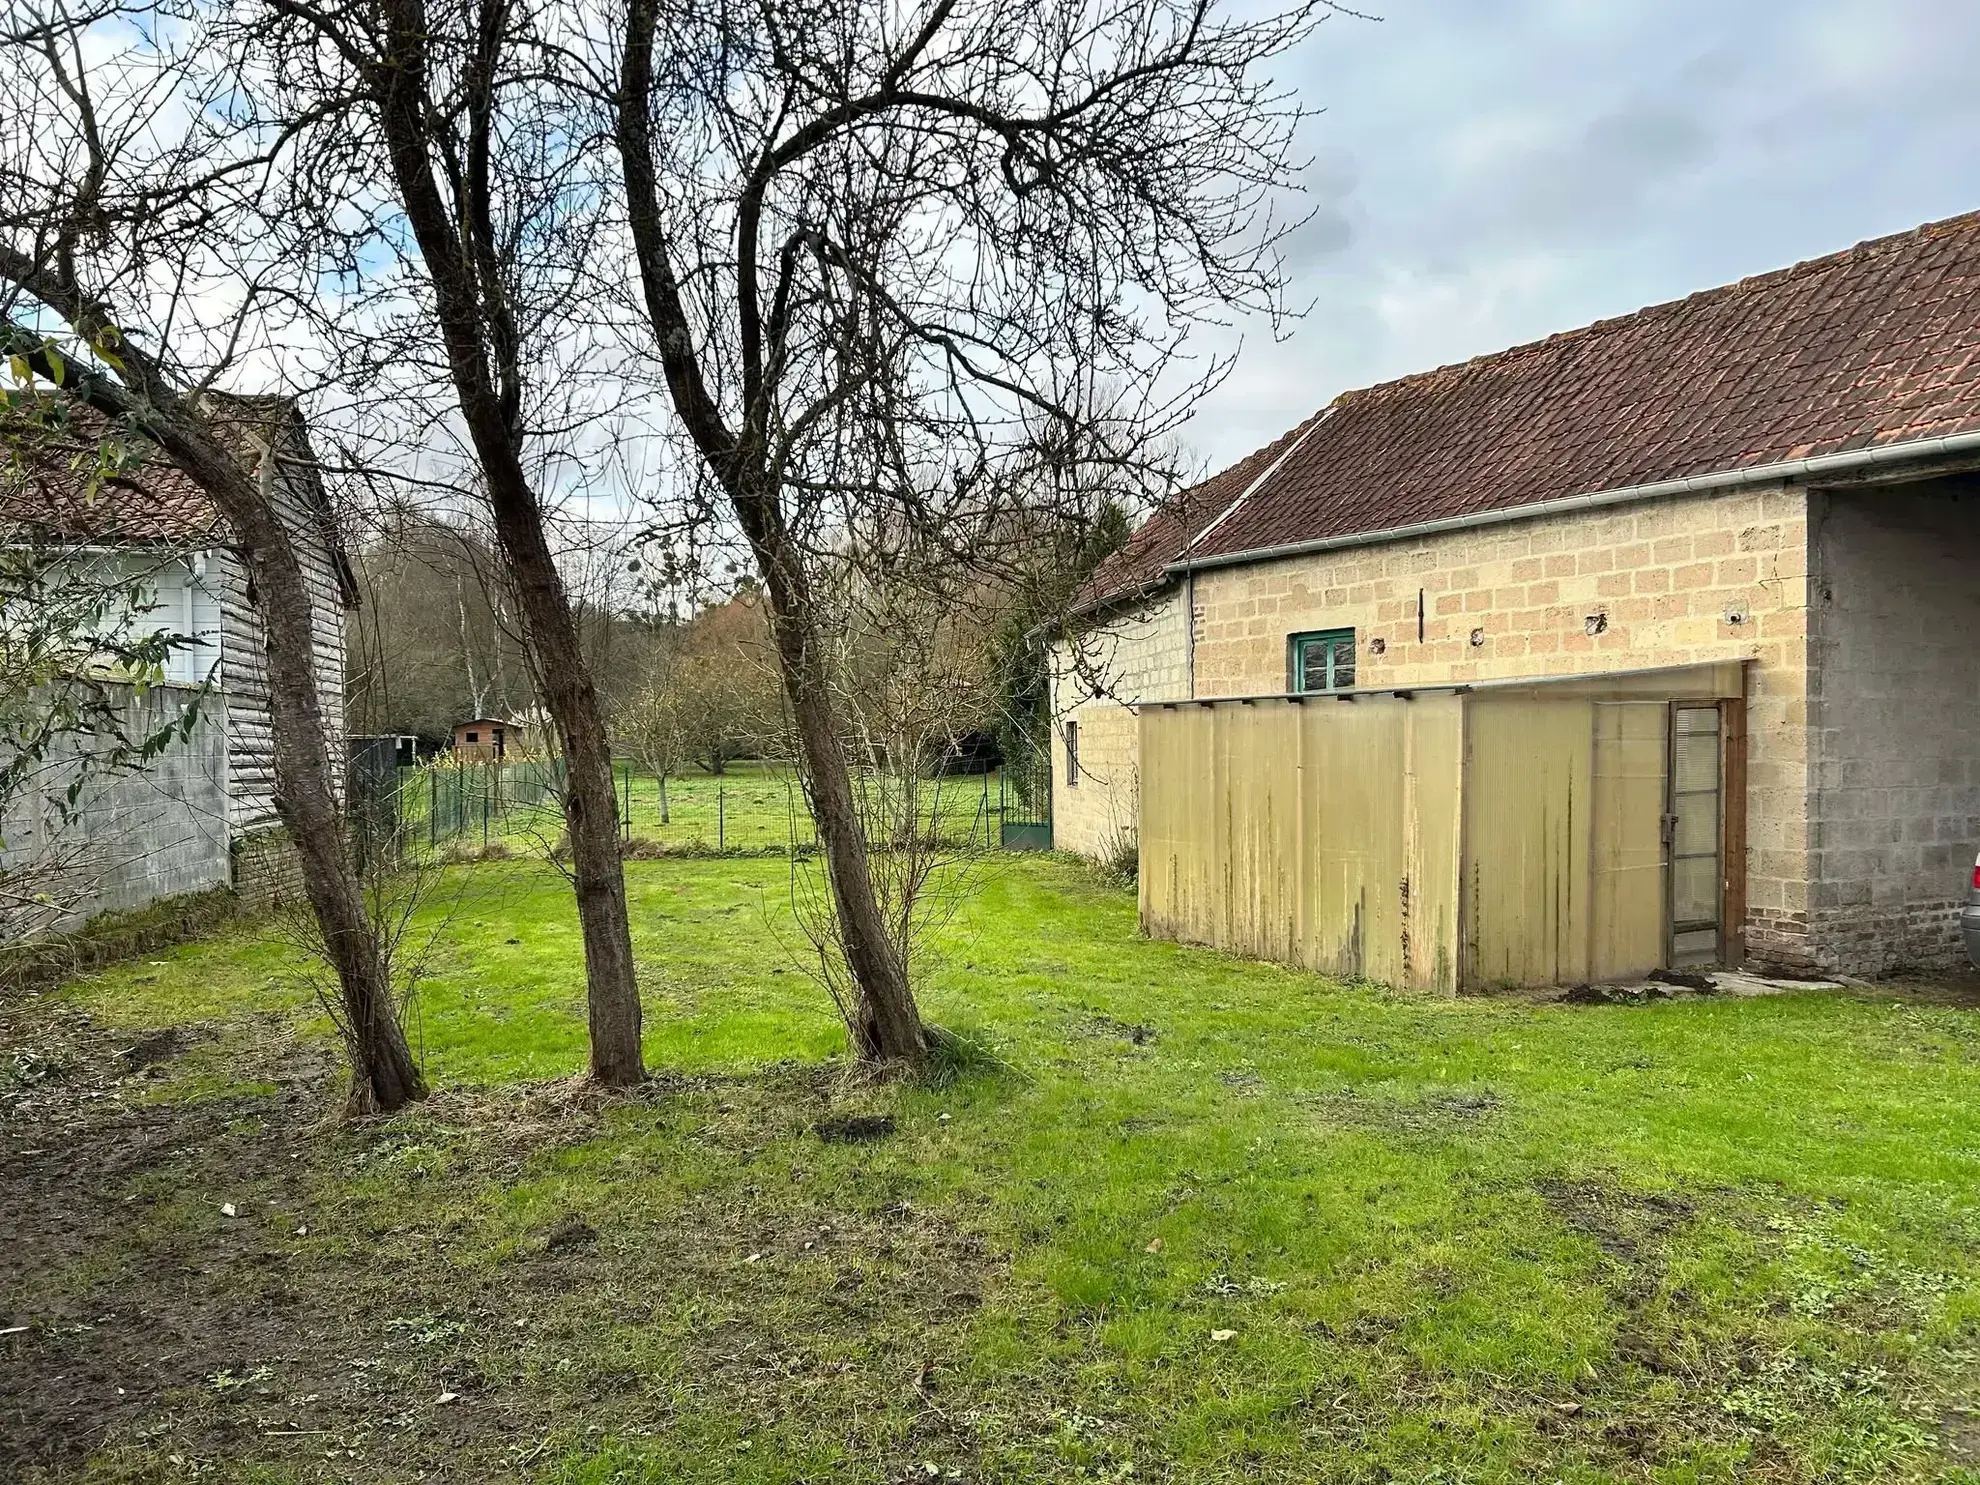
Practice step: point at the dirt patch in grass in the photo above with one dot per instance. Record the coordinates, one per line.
(238, 1280)
(1628, 1226)
(88, 1156)
(1134, 1034)
(1954, 988)
(1428, 1114)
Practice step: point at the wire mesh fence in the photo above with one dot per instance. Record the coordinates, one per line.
(432, 805)
(751, 809)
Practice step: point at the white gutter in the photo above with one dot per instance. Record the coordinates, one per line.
(1729, 479)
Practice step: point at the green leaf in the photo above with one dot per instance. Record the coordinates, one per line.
(105, 347)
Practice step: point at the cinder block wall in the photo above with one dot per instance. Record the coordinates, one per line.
(1138, 656)
(133, 837)
(1671, 582)
(1894, 706)
(267, 869)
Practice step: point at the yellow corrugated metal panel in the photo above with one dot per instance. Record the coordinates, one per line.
(1698, 682)
(1433, 817)
(1259, 858)
(1505, 837)
(1178, 801)
(1353, 858)
(1626, 926)
(1323, 835)
(1526, 837)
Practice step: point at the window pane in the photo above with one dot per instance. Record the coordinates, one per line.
(1697, 826)
(1313, 665)
(1695, 891)
(1699, 946)
(1344, 663)
(1695, 760)
(1323, 662)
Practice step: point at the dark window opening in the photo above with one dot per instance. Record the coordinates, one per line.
(1323, 661)
(474, 737)
(1072, 755)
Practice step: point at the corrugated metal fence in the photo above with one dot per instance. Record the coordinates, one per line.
(1436, 840)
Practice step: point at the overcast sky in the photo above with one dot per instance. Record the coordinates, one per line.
(1490, 171)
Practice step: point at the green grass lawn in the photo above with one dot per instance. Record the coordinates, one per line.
(1184, 1218)
(752, 806)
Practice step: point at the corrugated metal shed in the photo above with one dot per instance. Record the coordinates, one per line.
(1450, 839)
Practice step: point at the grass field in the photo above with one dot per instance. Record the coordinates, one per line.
(1178, 1217)
(751, 807)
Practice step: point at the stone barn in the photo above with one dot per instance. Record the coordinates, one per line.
(1727, 550)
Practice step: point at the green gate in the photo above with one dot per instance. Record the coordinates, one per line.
(1024, 801)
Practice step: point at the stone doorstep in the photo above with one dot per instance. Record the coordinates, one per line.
(1745, 984)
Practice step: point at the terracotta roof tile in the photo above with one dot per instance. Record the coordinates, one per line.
(1877, 344)
(150, 501)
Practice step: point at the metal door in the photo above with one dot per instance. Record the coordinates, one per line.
(1693, 835)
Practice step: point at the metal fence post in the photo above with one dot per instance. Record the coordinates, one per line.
(721, 795)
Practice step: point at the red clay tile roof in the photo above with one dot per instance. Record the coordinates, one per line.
(47, 494)
(1878, 344)
(1160, 539)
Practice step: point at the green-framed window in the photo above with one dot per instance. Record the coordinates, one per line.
(1322, 661)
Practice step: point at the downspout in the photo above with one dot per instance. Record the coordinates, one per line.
(1189, 634)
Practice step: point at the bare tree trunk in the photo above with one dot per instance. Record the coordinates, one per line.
(885, 1024)
(482, 352)
(590, 805)
(665, 818)
(384, 1076)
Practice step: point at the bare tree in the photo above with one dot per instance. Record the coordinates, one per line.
(905, 265)
(654, 723)
(439, 109)
(436, 643)
(112, 191)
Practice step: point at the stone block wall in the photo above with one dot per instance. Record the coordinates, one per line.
(1894, 707)
(1139, 656)
(267, 871)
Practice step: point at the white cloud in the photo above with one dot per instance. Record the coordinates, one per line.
(1495, 173)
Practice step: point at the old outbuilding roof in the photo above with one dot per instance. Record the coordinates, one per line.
(46, 489)
(1877, 345)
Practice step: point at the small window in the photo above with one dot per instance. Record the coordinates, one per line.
(1323, 661)
(1072, 755)
(474, 737)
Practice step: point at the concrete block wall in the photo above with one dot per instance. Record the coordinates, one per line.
(1142, 655)
(267, 870)
(1670, 582)
(133, 837)
(1894, 705)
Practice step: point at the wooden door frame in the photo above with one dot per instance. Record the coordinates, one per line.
(1732, 831)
